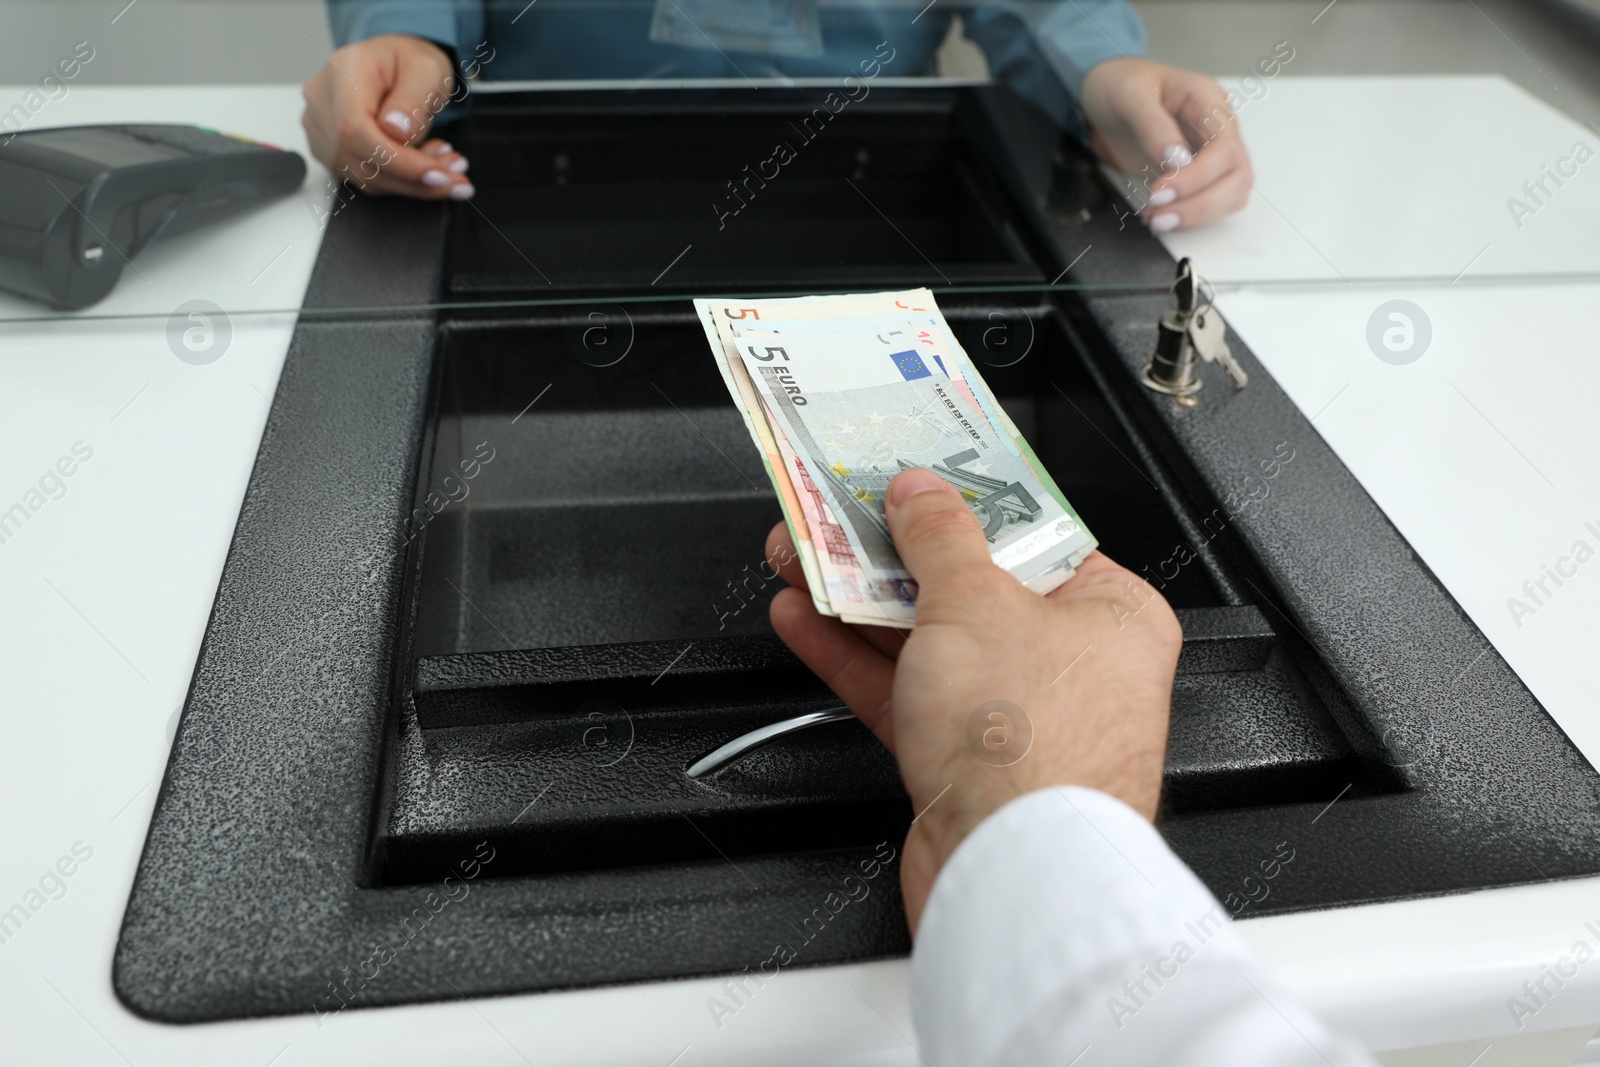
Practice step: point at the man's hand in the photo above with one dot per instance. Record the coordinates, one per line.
(1172, 132)
(368, 113)
(1085, 675)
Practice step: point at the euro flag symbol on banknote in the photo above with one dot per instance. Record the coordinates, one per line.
(910, 365)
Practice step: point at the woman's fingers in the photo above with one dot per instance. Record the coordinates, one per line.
(376, 162)
(1215, 159)
(1215, 184)
(418, 88)
(406, 172)
(1163, 144)
(366, 108)
(1216, 201)
(1172, 132)
(451, 160)
(1129, 125)
(846, 662)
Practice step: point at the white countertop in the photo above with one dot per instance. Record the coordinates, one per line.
(1480, 448)
(1405, 177)
(104, 595)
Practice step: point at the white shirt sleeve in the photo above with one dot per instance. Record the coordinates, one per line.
(1064, 931)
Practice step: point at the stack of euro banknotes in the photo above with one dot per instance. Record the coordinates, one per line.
(840, 394)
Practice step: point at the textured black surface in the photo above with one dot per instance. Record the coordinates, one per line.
(477, 688)
(299, 787)
(1494, 793)
(593, 812)
(257, 888)
(1224, 639)
(1243, 732)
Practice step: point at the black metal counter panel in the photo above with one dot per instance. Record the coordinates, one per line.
(431, 755)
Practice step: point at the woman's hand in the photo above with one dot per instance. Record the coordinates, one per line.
(368, 113)
(1085, 676)
(1172, 132)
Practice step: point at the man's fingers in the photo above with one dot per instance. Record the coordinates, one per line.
(1097, 571)
(937, 538)
(886, 639)
(861, 676)
(782, 557)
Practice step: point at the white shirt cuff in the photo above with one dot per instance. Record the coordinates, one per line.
(1063, 927)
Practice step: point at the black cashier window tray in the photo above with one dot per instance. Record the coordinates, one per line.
(496, 583)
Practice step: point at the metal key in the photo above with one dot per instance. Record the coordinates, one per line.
(1209, 335)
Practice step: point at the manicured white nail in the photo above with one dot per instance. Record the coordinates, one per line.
(1163, 223)
(400, 121)
(459, 166)
(1176, 155)
(436, 179)
(440, 149)
(1163, 197)
(463, 191)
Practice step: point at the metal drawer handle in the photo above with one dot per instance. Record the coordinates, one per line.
(744, 744)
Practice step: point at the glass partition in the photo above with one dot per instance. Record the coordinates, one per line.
(660, 148)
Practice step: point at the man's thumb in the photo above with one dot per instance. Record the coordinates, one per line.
(933, 529)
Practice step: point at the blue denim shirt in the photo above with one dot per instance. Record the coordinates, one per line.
(1040, 48)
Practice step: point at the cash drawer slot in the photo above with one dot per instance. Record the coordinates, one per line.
(573, 774)
(515, 685)
(578, 498)
(672, 197)
(600, 574)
